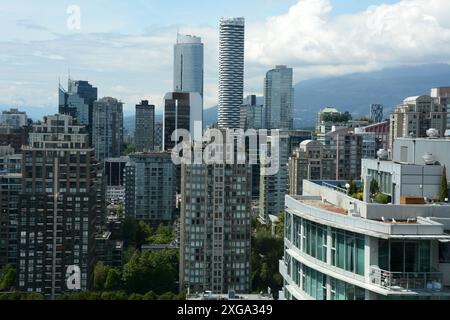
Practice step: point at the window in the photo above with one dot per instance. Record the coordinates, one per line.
(347, 251)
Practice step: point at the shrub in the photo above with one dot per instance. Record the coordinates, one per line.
(382, 198)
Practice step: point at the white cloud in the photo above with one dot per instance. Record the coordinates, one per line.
(315, 43)
(308, 37)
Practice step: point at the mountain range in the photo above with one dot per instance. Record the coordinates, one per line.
(356, 92)
(353, 93)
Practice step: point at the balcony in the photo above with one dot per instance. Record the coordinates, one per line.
(283, 268)
(406, 281)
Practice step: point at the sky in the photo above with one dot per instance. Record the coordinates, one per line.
(125, 48)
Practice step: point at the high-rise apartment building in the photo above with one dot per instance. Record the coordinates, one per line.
(182, 111)
(311, 161)
(115, 179)
(279, 98)
(14, 118)
(151, 188)
(376, 113)
(273, 188)
(145, 127)
(15, 138)
(231, 71)
(188, 64)
(58, 207)
(347, 149)
(10, 188)
(215, 228)
(442, 95)
(215, 242)
(415, 116)
(107, 130)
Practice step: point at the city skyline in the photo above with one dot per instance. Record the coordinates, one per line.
(95, 52)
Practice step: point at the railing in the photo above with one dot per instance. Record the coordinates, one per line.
(406, 281)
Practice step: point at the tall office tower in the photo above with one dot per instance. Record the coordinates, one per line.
(415, 116)
(115, 179)
(107, 130)
(58, 207)
(159, 134)
(376, 113)
(78, 102)
(347, 148)
(14, 118)
(273, 188)
(215, 228)
(442, 95)
(10, 187)
(145, 127)
(251, 113)
(279, 98)
(231, 71)
(188, 64)
(311, 161)
(151, 188)
(182, 111)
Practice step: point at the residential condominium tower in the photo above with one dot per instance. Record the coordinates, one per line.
(415, 116)
(108, 128)
(442, 95)
(215, 246)
(145, 127)
(231, 71)
(188, 64)
(279, 98)
(150, 188)
(58, 207)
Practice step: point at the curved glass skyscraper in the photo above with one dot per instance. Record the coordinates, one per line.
(231, 71)
(188, 64)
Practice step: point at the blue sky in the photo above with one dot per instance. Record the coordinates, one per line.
(125, 47)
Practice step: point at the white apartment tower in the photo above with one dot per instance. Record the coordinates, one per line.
(231, 71)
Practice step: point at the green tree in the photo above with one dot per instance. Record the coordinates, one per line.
(150, 296)
(352, 187)
(113, 280)
(7, 277)
(279, 230)
(374, 189)
(157, 271)
(167, 296)
(361, 187)
(163, 235)
(143, 232)
(129, 229)
(264, 273)
(444, 185)
(100, 273)
(130, 148)
(120, 212)
(136, 296)
(266, 252)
